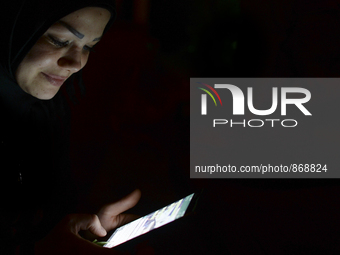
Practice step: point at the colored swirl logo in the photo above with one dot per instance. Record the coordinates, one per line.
(204, 97)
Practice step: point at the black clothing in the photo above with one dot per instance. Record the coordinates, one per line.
(34, 133)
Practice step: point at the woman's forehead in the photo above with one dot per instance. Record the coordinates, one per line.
(88, 20)
(87, 15)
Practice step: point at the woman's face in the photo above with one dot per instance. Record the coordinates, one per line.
(62, 50)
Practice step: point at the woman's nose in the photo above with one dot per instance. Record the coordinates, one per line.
(71, 60)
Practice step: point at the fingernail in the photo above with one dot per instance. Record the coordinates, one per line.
(103, 231)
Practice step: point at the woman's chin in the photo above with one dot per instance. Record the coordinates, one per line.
(44, 94)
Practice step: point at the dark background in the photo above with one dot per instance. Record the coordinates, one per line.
(131, 130)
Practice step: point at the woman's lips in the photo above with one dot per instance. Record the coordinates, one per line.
(55, 80)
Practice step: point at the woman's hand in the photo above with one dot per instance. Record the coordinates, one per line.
(64, 238)
(110, 215)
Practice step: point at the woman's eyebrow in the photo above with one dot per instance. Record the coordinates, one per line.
(75, 32)
(72, 30)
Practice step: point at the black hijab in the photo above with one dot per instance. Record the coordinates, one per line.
(33, 132)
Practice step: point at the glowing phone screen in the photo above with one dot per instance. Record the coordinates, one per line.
(149, 222)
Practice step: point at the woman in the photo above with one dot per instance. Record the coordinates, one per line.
(44, 46)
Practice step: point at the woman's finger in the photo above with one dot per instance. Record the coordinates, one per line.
(121, 205)
(89, 222)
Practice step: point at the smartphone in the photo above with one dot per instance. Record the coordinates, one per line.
(153, 220)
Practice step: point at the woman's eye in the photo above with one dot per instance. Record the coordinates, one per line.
(61, 44)
(57, 42)
(88, 48)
